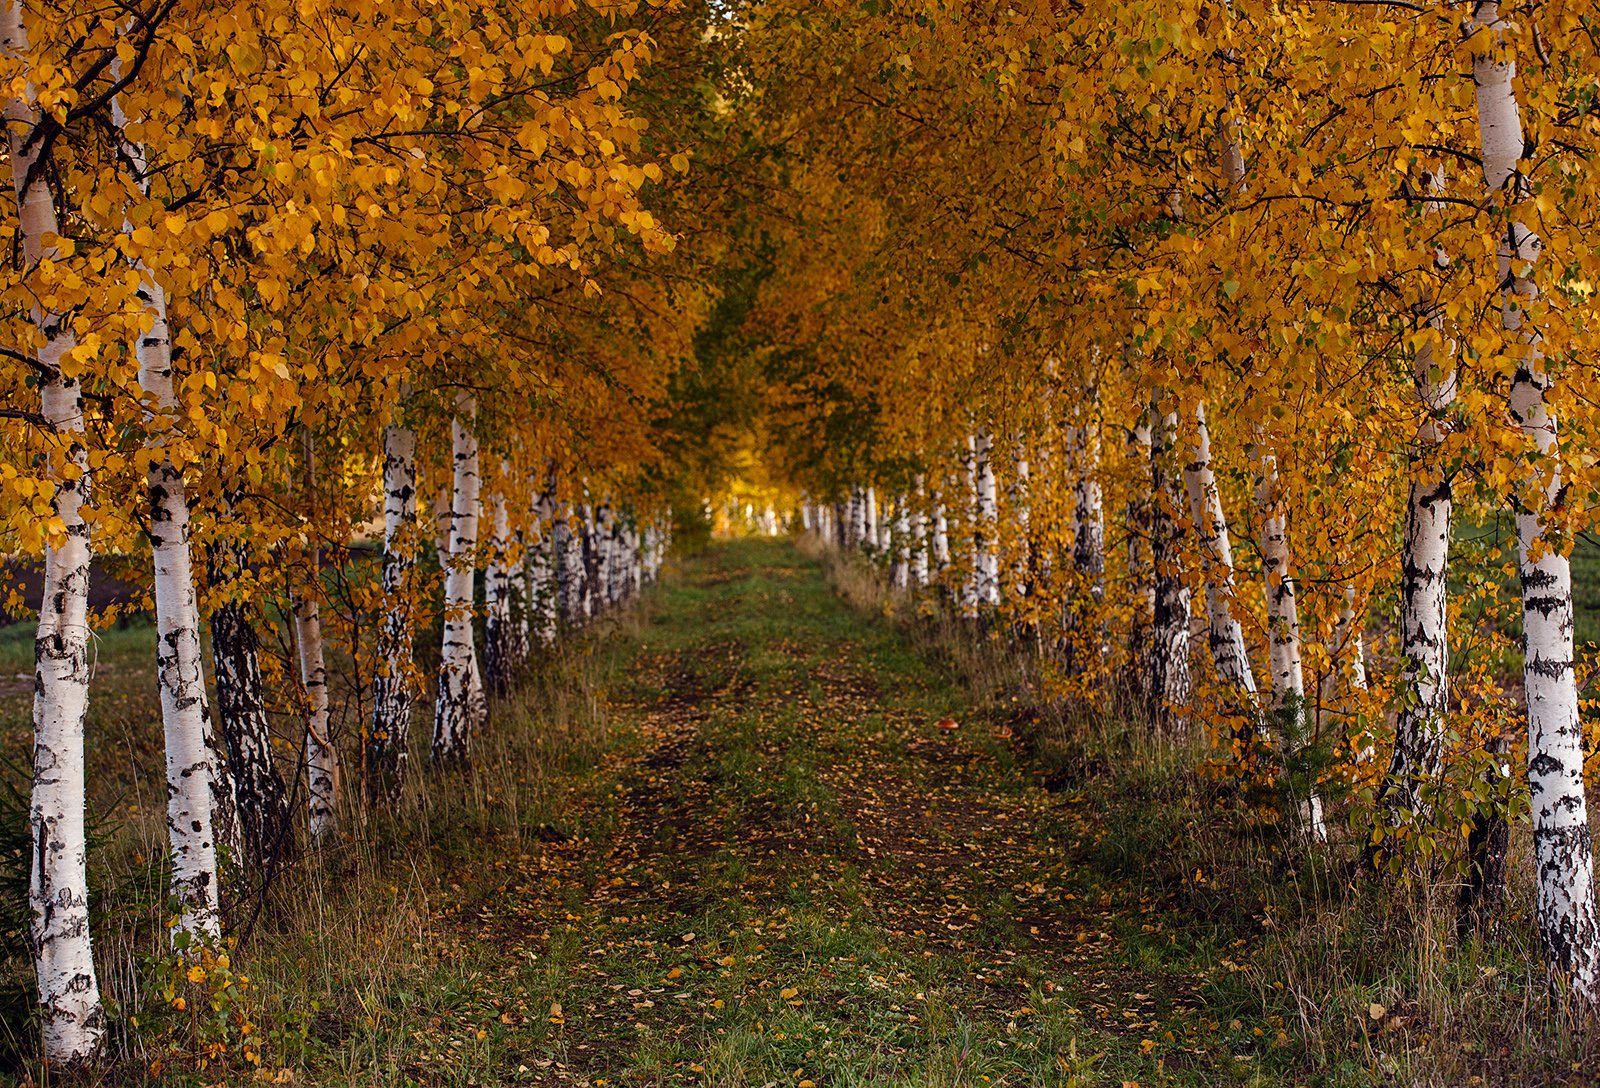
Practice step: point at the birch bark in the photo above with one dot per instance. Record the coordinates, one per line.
(972, 585)
(1088, 529)
(988, 524)
(569, 565)
(266, 823)
(1283, 628)
(1418, 757)
(499, 639)
(1169, 685)
(1021, 517)
(1088, 518)
(457, 709)
(902, 543)
(541, 567)
(194, 783)
(919, 532)
(1563, 851)
(394, 687)
(322, 760)
(1139, 515)
(322, 756)
(72, 1018)
(1226, 637)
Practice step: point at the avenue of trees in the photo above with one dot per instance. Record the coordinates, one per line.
(1238, 357)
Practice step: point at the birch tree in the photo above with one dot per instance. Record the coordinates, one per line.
(194, 784)
(321, 753)
(72, 1017)
(394, 687)
(1167, 658)
(919, 535)
(1563, 850)
(1226, 636)
(262, 798)
(457, 707)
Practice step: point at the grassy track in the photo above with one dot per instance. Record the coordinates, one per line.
(793, 872)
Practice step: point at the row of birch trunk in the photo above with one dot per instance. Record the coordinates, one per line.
(508, 595)
(1282, 650)
(1029, 564)
(256, 441)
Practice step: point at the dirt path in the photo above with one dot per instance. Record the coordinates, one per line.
(804, 873)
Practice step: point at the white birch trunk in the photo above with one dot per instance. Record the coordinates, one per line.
(569, 564)
(1088, 533)
(519, 602)
(870, 522)
(655, 541)
(394, 687)
(635, 560)
(1021, 518)
(902, 543)
(1349, 645)
(72, 1018)
(322, 756)
(1283, 628)
(499, 641)
(647, 547)
(988, 524)
(194, 782)
(612, 544)
(972, 585)
(1168, 685)
(1226, 637)
(1138, 516)
(1088, 517)
(589, 554)
(1563, 851)
(1349, 666)
(1418, 757)
(443, 516)
(456, 710)
(941, 534)
(600, 542)
(541, 573)
(919, 530)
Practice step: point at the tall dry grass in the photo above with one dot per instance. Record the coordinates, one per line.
(339, 930)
